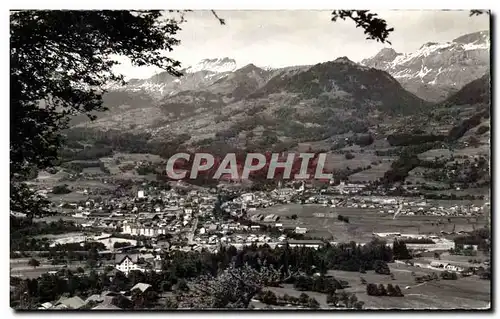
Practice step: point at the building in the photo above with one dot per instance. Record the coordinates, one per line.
(74, 302)
(310, 243)
(446, 266)
(248, 197)
(139, 230)
(141, 286)
(300, 230)
(126, 263)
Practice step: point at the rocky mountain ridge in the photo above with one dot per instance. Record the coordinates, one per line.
(437, 70)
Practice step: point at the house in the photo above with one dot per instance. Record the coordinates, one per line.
(304, 243)
(46, 305)
(141, 286)
(473, 247)
(96, 298)
(106, 306)
(74, 302)
(454, 268)
(126, 263)
(437, 264)
(300, 230)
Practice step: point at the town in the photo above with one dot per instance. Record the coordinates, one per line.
(338, 163)
(140, 231)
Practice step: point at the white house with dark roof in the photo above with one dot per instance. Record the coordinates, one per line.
(126, 263)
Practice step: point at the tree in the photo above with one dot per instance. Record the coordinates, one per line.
(447, 275)
(332, 299)
(400, 250)
(61, 189)
(398, 293)
(381, 267)
(269, 298)
(234, 287)
(371, 290)
(374, 28)
(171, 303)
(59, 74)
(344, 298)
(390, 290)
(33, 263)
(303, 298)
(381, 290)
(349, 156)
(313, 303)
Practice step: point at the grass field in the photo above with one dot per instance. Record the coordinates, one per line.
(464, 293)
(363, 222)
(372, 174)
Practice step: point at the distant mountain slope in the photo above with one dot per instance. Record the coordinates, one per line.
(342, 79)
(436, 70)
(297, 103)
(195, 77)
(475, 92)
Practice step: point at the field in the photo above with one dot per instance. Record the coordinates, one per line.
(363, 222)
(338, 161)
(372, 174)
(464, 293)
(469, 292)
(446, 153)
(19, 267)
(120, 160)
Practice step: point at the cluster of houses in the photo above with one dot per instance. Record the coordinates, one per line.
(106, 300)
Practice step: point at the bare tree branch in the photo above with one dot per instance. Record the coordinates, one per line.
(222, 21)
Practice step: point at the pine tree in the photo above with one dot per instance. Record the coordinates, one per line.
(381, 290)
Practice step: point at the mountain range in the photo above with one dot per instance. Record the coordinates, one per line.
(215, 100)
(437, 70)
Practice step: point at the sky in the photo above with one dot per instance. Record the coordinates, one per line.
(286, 38)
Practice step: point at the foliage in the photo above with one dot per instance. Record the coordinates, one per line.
(121, 244)
(460, 129)
(349, 156)
(381, 290)
(343, 219)
(33, 263)
(234, 287)
(482, 129)
(58, 74)
(319, 284)
(412, 139)
(268, 297)
(61, 189)
(381, 267)
(400, 251)
(449, 275)
(374, 27)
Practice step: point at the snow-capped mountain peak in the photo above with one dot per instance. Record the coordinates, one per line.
(217, 65)
(436, 70)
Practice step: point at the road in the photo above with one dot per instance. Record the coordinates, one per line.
(191, 233)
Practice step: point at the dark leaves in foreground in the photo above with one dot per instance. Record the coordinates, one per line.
(374, 27)
(478, 12)
(60, 63)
